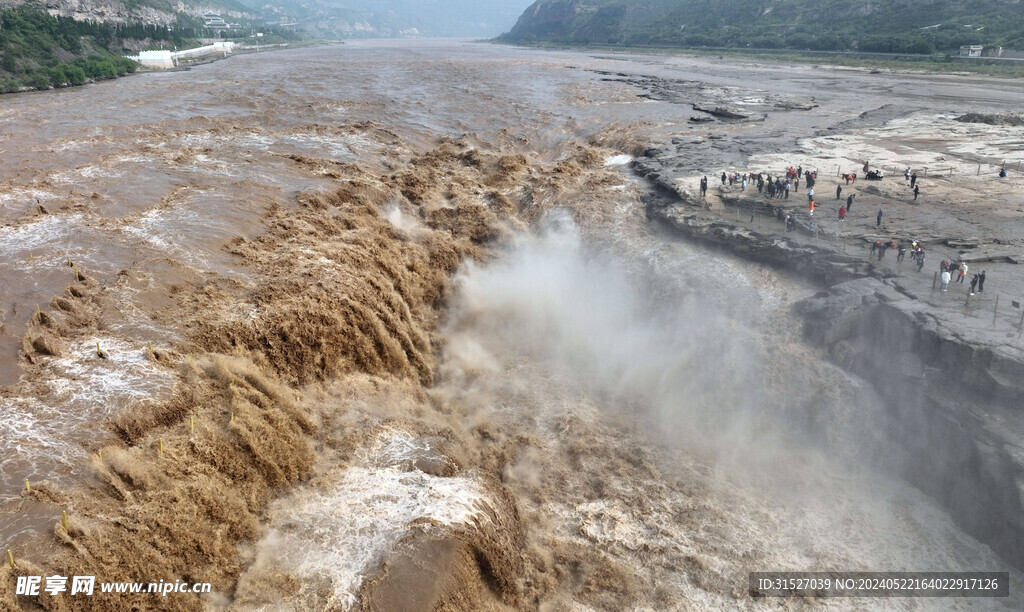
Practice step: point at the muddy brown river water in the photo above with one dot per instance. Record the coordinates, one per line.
(608, 417)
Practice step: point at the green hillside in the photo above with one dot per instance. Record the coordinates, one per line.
(40, 51)
(889, 26)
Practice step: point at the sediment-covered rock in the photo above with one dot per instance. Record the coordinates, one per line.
(993, 118)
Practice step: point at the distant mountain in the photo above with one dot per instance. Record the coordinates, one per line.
(400, 18)
(897, 26)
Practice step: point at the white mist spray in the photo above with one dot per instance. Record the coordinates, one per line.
(575, 307)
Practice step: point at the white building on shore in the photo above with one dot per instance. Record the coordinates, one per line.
(162, 60)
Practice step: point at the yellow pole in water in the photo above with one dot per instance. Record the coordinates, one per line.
(39, 314)
(64, 519)
(10, 558)
(28, 487)
(192, 424)
(232, 419)
(161, 451)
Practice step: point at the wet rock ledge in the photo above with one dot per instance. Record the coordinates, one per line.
(953, 388)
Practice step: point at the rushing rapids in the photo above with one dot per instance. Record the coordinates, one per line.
(386, 326)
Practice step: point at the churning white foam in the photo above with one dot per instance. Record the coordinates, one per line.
(330, 539)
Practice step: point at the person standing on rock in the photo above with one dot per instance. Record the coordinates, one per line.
(945, 279)
(839, 192)
(842, 214)
(902, 252)
(920, 258)
(796, 184)
(913, 179)
(723, 178)
(906, 175)
(704, 188)
(743, 184)
(810, 194)
(974, 282)
(917, 190)
(849, 202)
(811, 206)
(878, 221)
(981, 282)
(786, 187)
(963, 273)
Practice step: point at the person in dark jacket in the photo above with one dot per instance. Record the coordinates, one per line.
(981, 282)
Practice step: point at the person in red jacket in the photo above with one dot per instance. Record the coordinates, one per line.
(842, 213)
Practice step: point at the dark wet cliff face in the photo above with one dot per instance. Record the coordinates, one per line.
(949, 407)
(948, 402)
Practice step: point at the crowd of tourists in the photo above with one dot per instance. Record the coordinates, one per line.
(780, 185)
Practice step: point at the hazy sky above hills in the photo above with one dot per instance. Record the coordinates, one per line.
(442, 18)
